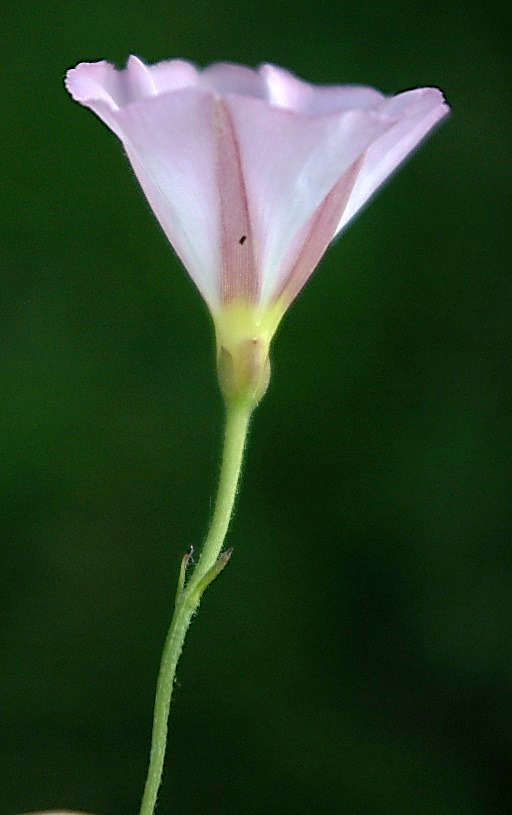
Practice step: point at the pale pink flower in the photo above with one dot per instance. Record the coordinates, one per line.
(251, 173)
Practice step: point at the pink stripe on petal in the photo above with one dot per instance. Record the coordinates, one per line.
(316, 235)
(238, 277)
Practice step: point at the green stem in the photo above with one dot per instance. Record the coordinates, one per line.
(188, 596)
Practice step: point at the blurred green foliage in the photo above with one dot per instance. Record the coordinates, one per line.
(355, 658)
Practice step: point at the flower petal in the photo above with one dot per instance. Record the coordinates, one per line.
(290, 162)
(418, 111)
(226, 77)
(173, 75)
(170, 142)
(313, 239)
(288, 91)
(252, 172)
(92, 82)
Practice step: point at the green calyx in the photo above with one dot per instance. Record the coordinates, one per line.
(244, 333)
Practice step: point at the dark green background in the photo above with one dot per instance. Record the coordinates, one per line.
(355, 658)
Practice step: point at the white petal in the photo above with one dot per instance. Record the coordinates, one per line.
(173, 75)
(419, 111)
(102, 82)
(225, 77)
(288, 91)
(290, 162)
(171, 144)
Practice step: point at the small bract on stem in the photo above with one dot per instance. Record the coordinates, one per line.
(251, 174)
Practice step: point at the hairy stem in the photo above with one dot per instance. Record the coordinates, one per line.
(188, 595)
